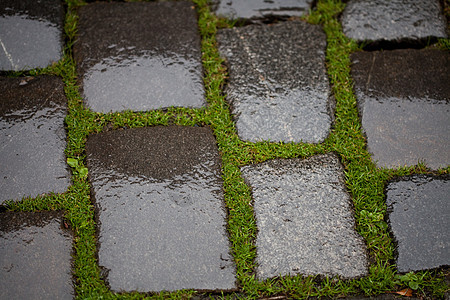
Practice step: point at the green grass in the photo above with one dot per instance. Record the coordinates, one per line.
(364, 181)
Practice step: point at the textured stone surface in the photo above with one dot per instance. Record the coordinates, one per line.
(304, 219)
(32, 137)
(30, 33)
(35, 256)
(247, 9)
(404, 100)
(139, 56)
(159, 197)
(419, 218)
(278, 87)
(393, 20)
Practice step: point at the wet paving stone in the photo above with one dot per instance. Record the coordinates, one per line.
(32, 137)
(149, 58)
(278, 86)
(159, 197)
(419, 218)
(404, 101)
(304, 218)
(248, 9)
(393, 20)
(35, 256)
(31, 33)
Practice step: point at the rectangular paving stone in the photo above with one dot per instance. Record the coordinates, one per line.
(35, 256)
(32, 137)
(404, 102)
(139, 56)
(278, 86)
(304, 218)
(31, 33)
(393, 20)
(158, 193)
(419, 218)
(248, 9)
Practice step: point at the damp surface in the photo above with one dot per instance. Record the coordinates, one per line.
(393, 20)
(35, 256)
(419, 218)
(151, 61)
(246, 9)
(304, 219)
(29, 36)
(278, 87)
(158, 194)
(32, 137)
(404, 101)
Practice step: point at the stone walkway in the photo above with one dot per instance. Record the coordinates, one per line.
(158, 192)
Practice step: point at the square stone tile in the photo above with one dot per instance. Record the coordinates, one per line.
(35, 256)
(278, 87)
(31, 33)
(305, 219)
(404, 102)
(159, 198)
(393, 20)
(32, 137)
(139, 56)
(418, 208)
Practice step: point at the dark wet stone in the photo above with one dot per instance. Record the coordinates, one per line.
(304, 218)
(418, 214)
(35, 256)
(278, 86)
(393, 20)
(404, 100)
(247, 9)
(31, 33)
(139, 56)
(159, 197)
(32, 137)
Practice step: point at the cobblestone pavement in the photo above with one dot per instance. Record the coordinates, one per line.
(159, 214)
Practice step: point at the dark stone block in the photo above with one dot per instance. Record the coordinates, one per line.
(418, 214)
(31, 33)
(305, 219)
(404, 101)
(35, 256)
(139, 56)
(278, 86)
(158, 192)
(32, 137)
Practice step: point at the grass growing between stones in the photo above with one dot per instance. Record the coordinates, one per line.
(364, 181)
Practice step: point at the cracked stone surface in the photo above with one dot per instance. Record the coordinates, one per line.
(32, 137)
(247, 9)
(278, 86)
(419, 218)
(393, 20)
(35, 256)
(31, 33)
(158, 193)
(404, 101)
(151, 60)
(304, 218)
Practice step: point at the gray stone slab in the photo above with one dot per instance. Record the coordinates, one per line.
(161, 215)
(278, 86)
(419, 213)
(139, 56)
(31, 33)
(393, 20)
(32, 137)
(304, 218)
(248, 9)
(35, 256)
(404, 101)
